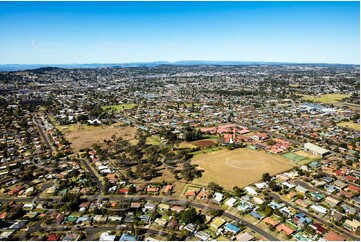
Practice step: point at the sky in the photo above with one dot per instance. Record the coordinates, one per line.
(119, 32)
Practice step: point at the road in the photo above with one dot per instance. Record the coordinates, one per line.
(94, 176)
(91, 231)
(201, 206)
(44, 136)
(184, 202)
(343, 232)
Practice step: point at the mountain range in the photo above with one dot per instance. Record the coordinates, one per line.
(18, 67)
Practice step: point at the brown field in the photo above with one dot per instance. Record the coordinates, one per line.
(239, 167)
(204, 143)
(350, 125)
(89, 135)
(186, 145)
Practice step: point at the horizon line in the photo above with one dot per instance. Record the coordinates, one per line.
(175, 62)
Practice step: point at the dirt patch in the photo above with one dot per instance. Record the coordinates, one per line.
(95, 135)
(239, 167)
(305, 154)
(204, 143)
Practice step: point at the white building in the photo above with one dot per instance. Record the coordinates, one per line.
(231, 202)
(318, 209)
(218, 196)
(251, 191)
(105, 236)
(315, 150)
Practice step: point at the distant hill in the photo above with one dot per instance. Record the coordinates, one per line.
(18, 67)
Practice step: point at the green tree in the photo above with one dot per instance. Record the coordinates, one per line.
(215, 187)
(266, 177)
(189, 216)
(132, 190)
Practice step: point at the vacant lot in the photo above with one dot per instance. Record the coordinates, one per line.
(120, 107)
(351, 125)
(327, 98)
(239, 167)
(86, 136)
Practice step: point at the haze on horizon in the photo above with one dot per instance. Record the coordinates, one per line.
(119, 32)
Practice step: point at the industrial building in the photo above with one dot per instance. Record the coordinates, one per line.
(315, 150)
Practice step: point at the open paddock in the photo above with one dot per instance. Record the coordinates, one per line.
(326, 98)
(120, 107)
(350, 125)
(86, 136)
(239, 167)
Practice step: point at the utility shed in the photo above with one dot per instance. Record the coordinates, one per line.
(315, 150)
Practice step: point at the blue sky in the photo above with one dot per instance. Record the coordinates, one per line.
(116, 32)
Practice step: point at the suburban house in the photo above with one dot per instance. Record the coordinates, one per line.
(352, 225)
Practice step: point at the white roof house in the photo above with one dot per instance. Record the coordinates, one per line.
(102, 167)
(231, 202)
(288, 185)
(250, 191)
(105, 236)
(218, 196)
(261, 185)
(258, 200)
(319, 209)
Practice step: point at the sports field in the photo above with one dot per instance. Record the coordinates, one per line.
(294, 157)
(239, 167)
(326, 98)
(85, 136)
(120, 107)
(204, 143)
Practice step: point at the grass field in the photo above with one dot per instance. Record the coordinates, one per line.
(186, 145)
(294, 157)
(239, 167)
(350, 125)
(207, 150)
(89, 135)
(153, 140)
(120, 107)
(352, 106)
(326, 98)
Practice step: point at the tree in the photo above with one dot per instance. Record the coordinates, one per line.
(132, 190)
(71, 201)
(215, 187)
(189, 216)
(273, 185)
(268, 211)
(340, 209)
(238, 192)
(266, 177)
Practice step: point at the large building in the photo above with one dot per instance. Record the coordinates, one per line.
(315, 150)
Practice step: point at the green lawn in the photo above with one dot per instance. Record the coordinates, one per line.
(120, 107)
(206, 136)
(153, 140)
(326, 98)
(207, 150)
